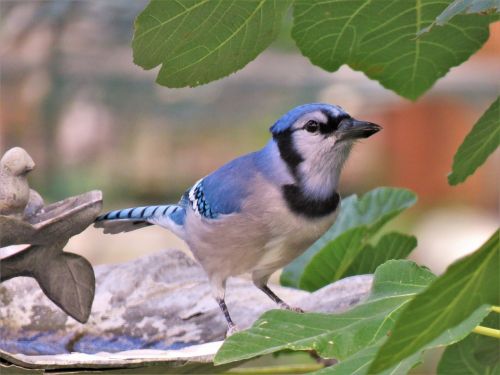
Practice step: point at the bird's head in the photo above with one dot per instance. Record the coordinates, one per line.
(16, 162)
(315, 140)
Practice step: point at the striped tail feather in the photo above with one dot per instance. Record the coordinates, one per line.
(139, 213)
(169, 216)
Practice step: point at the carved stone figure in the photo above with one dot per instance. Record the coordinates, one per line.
(67, 279)
(14, 188)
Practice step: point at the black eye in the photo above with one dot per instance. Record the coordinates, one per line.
(311, 126)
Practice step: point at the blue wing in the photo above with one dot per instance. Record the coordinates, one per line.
(223, 191)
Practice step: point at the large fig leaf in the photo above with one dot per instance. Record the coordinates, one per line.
(379, 38)
(198, 41)
(468, 284)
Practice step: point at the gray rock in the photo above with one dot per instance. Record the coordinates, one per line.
(154, 304)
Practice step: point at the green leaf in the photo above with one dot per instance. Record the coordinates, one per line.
(464, 7)
(335, 335)
(391, 246)
(476, 355)
(359, 363)
(198, 41)
(373, 210)
(466, 285)
(379, 39)
(332, 261)
(349, 254)
(352, 337)
(478, 145)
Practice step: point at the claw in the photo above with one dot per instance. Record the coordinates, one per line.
(286, 306)
(231, 330)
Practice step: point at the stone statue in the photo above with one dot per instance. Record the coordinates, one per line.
(14, 188)
(67, 279)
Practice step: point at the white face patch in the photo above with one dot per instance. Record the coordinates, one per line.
(322, 161)
(312, 145)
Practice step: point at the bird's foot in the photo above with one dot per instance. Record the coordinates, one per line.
(286, 306)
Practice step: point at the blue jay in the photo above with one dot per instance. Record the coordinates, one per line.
(262, 210)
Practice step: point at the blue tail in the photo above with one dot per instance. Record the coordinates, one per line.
(170, 216)
(140, 213)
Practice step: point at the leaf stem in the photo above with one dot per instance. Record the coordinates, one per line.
(296, 369)
(495, 309)
(485, 331)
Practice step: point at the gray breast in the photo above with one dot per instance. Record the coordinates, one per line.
(265, 234)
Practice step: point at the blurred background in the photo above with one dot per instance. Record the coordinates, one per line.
(91, 119)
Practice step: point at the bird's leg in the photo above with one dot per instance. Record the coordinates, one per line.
(278, 300)
(260, 281)
(231, 327)
(218, 286)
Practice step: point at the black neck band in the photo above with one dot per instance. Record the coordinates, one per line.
(306, 206)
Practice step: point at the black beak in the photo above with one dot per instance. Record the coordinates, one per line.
(350, 128)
